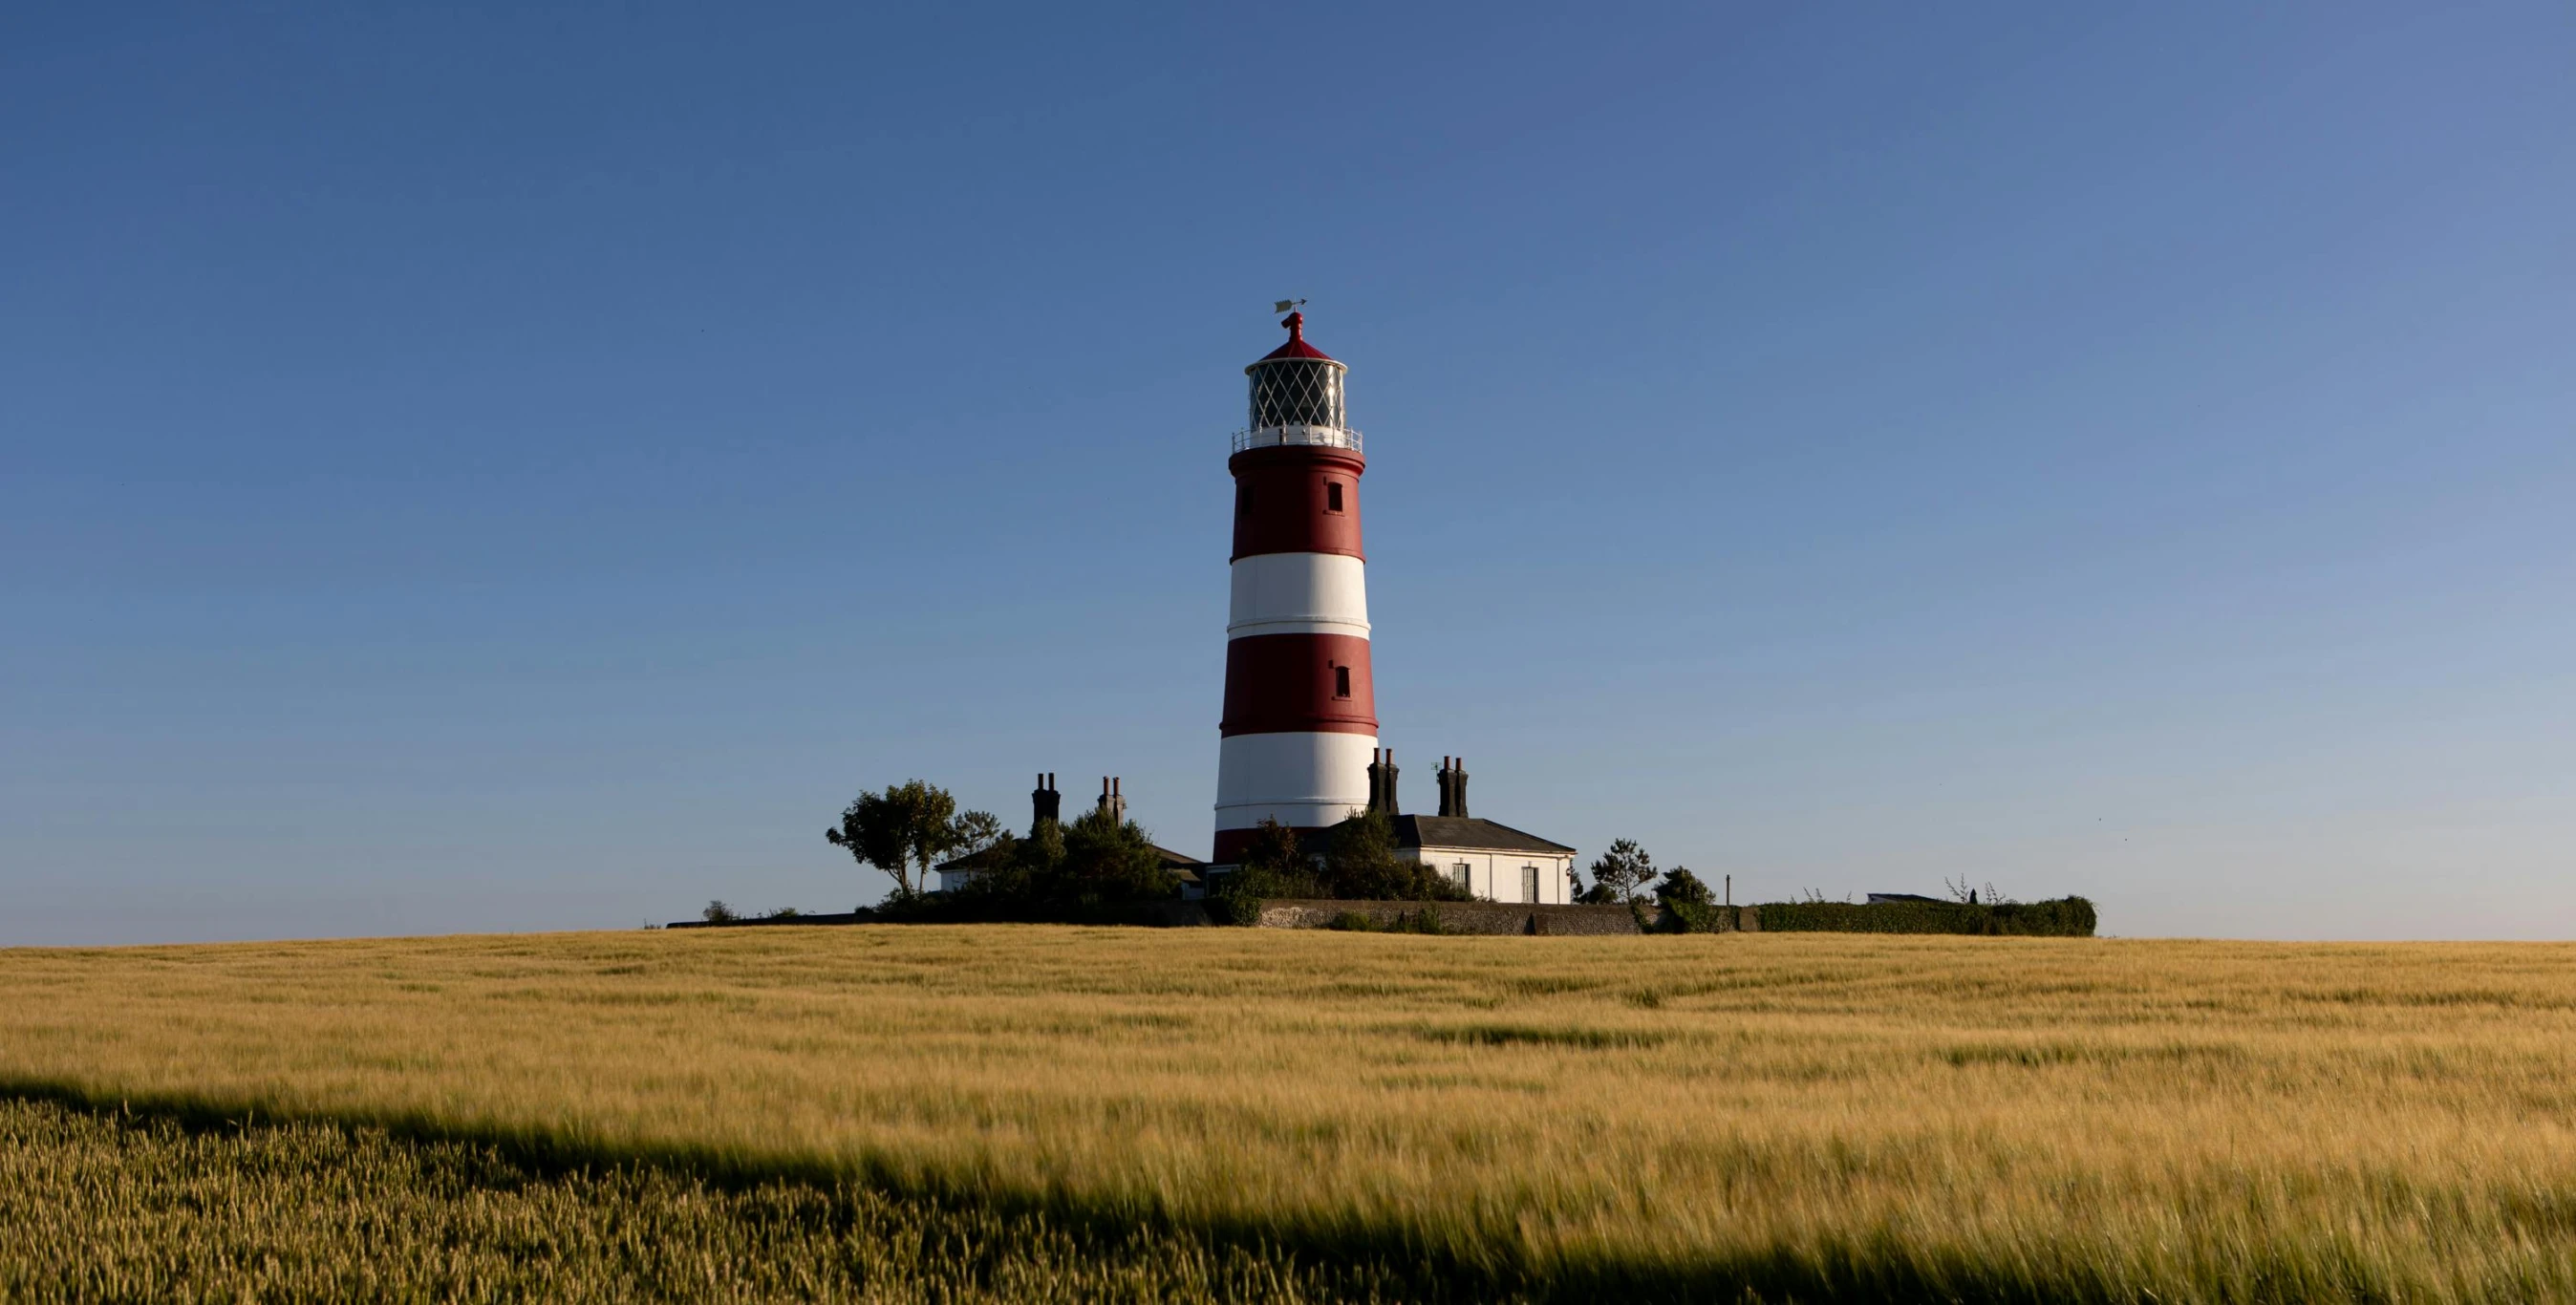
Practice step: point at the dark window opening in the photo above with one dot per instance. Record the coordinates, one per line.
(1341, 681)
(1243, 501)
(1333, 496)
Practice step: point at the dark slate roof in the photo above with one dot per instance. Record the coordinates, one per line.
(1469, 832)
(1187, 867)
(1904, 897)
(982, 860)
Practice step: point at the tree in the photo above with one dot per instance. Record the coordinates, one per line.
(1359, 859)
(910, 824)
(1680, 885)
(1360, 864)
(977, 830)
(718, 913)
(1621, 871)
(1276, 865)
(1108, 860)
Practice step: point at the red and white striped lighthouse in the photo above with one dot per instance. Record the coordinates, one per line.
(1300, 722)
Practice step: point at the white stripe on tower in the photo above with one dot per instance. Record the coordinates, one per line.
(1301, 780)
(1299, 593)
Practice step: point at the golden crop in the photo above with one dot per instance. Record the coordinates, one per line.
(98, 1207)
(1812, 1116)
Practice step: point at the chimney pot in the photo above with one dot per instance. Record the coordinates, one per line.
(1045, 804)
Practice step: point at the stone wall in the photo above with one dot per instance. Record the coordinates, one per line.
(1458, 917)
(851, 917)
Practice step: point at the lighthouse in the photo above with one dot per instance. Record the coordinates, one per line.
(1300, 727)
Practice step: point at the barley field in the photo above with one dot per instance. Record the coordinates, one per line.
(105, 1206)
(1743, 1117)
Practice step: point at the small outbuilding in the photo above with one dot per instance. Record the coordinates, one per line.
(1045, 804)
(1490, 860)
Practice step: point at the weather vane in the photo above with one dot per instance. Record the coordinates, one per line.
(1285, 304)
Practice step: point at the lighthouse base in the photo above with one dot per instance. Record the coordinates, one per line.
(1302, 780)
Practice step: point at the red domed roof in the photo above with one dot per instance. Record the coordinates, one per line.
(1296, 346)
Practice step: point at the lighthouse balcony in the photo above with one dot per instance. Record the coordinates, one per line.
(1331, 437)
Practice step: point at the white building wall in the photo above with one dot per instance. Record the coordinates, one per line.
(1496, 876)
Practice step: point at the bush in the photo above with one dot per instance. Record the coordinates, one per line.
(1233, 908)
(1681, 916)
(1360, 864)
(1094, 870)
(2065, 917)
(1426, 920)
(1680, 885)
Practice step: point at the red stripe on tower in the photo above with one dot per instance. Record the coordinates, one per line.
(1300, 707)
(1290, 499)
(1281, 682)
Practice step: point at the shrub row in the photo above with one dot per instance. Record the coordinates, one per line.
(1679, 915)
(2065, 917)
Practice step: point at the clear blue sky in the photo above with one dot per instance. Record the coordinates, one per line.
(529, 468)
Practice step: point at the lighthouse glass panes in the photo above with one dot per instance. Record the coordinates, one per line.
(1297, 392)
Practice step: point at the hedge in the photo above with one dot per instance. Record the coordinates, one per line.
(2066, 917)
(1676, 916)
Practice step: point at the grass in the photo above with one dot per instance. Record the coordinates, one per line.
(1808, 1117)
(100, 1207)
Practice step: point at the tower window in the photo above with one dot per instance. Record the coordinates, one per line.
(1243, 501)
(1341, 681)
(1333, 496)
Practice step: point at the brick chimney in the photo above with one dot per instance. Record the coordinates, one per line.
(1453, 786)
(1382, 776)
(1113, 803)
(1377, 779)
(1045, 803)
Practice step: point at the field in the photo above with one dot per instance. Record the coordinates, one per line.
(1004, 1112)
